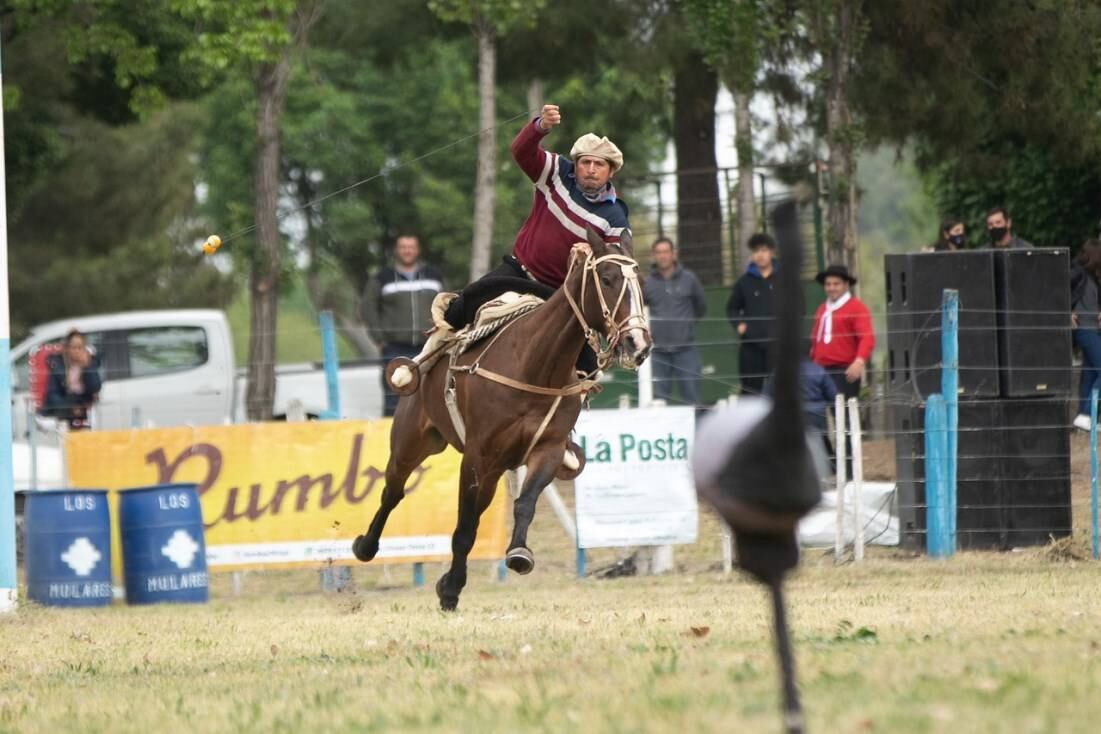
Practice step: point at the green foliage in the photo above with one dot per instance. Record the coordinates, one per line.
(502, 15)
(126, 57)
(108, 227)
(730, 34)
(238, 32)
(955, 75)
(1053, 203)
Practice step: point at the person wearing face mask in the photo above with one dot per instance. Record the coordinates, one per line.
(1000, 228)
(950, 236)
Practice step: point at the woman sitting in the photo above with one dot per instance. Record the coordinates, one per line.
(74, 383)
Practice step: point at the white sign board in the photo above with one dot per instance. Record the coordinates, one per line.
(637, 486)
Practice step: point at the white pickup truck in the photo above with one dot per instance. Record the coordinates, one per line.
(177, 367)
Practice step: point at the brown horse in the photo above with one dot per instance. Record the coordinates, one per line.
(519, 397)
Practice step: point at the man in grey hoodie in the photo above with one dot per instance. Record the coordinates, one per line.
(676, 302)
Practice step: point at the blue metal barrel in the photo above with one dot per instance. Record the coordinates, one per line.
(163, 550)
(67, 547)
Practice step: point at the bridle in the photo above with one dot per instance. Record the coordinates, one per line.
(613, 330)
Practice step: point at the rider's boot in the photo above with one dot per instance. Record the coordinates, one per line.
(404, 374)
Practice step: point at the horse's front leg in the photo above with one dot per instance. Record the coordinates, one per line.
(477, 485)
(542, 466)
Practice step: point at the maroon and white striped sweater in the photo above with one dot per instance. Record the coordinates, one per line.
(559, 212)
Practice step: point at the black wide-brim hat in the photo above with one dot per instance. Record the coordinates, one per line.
(839, 271)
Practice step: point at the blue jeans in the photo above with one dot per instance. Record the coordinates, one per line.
(389, 351)
(1089, 340)
(683, 367)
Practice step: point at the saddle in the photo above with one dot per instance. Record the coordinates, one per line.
(489, 319)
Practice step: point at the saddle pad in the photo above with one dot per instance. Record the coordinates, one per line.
(493, 316)
(506, 305)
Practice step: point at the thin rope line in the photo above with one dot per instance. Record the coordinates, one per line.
(385, 170)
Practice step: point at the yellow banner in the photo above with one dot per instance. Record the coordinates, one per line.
(290, 493)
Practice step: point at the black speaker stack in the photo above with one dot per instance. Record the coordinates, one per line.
(1013, 469)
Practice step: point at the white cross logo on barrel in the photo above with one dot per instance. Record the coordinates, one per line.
(181, 549)
(81, 556)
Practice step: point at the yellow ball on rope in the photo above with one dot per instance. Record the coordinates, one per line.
(213, 242)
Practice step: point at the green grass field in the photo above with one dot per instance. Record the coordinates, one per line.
(983, 642)
(978, 644)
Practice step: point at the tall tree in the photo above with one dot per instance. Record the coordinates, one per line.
(487, 20)
(730, 34)
(989, 128)
(699, 212)
(836, 29)
(261, 35)
(92, 131)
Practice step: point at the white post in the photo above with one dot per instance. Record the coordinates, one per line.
(560, 511)
(8, 586)
(726, 535)
(839, 473)
(661, 556)
(727, 540)
(646, 376)
(858, 480)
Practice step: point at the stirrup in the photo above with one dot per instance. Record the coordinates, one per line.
(403, 375)
(569, 470)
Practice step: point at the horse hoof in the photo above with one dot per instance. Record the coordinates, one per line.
(403, 375)
(364, 550)
(520, 560)
(569, 470)
(448, 602)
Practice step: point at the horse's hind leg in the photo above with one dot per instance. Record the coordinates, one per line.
(476, 490)
(541, 470)
(410, 444)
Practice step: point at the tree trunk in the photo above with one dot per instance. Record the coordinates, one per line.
(271, 93)
(326, 298)
(699, 211)
(841, 247)
(536, 94)
(743, 143)
(485, 186)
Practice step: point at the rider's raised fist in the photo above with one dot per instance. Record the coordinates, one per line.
(549, 117)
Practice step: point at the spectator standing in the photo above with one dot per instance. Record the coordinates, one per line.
(1085, 290)
(73, 382)
(396, 306)
(676, 302)
(842, 337)
(819, 393)
(749, 310)
(1000, 228)
(950, 236)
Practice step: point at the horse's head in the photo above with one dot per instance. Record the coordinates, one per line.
(610, 300)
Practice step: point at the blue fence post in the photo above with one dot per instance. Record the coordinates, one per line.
(338, 577)
(331, 362)
(936, 490)
(949, 389)
(1093, 469)
(418, 574)
(8, 581)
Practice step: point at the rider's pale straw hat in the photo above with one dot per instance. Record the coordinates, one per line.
(589, 144)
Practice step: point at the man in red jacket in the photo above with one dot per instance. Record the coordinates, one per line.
(842, 339)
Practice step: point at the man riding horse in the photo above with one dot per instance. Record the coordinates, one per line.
(516, 371)
(570, 194)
